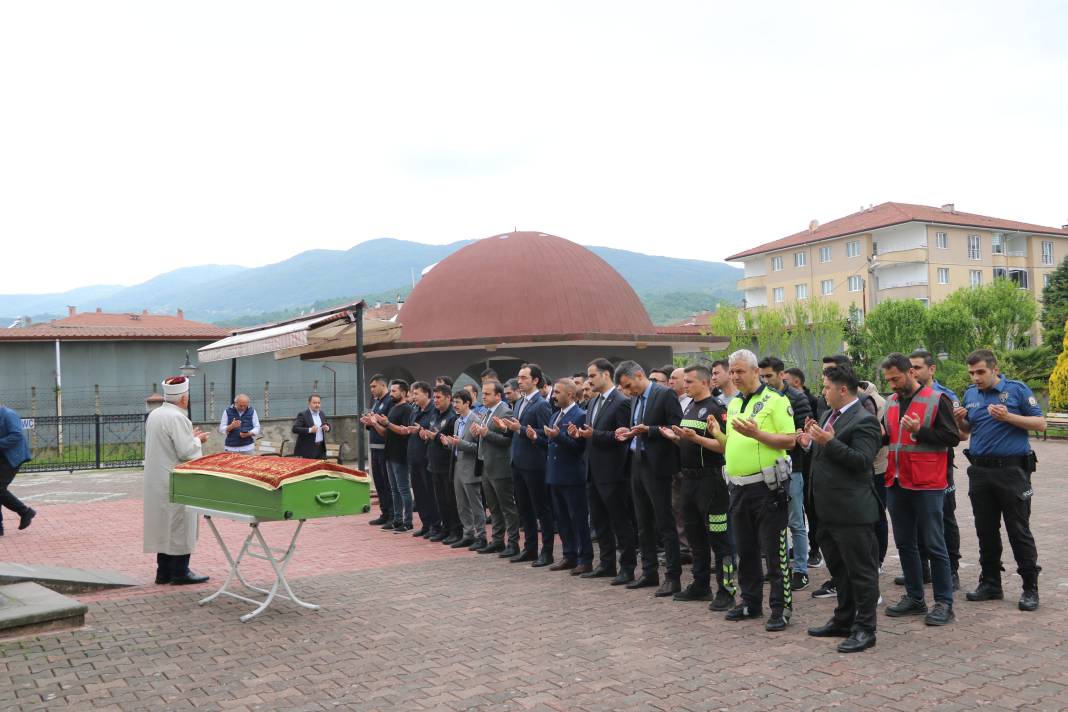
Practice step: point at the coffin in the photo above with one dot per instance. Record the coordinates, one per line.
(271, 487)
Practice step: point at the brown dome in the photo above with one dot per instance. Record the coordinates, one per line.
(518, 285)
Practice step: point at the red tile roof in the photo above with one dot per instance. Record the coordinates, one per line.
(889, 214)
(98, 326)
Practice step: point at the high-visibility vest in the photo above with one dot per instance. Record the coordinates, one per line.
(915, 465)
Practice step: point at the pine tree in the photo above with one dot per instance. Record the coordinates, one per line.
(1055, 307)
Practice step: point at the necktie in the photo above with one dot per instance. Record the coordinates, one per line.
(559, 417)
(834, 417)
(594, 408)
(522, 407)
(636, 443)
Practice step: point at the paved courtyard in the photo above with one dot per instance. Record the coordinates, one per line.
(410, 625)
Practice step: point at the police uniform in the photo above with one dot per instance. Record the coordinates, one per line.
(759, 501)
(381, 406)
(1000, 480)
(704, 503)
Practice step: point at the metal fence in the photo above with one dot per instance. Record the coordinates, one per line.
(85, 442)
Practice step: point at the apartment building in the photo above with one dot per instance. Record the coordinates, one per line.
(899, 251)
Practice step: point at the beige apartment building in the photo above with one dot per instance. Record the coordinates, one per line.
(899, 251)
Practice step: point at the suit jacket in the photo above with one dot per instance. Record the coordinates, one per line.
(465, 464)
(662, 409)
(565, 464)
(606, 457)
(842, 487)
(495, 447)
(306, 446)
(527, 455)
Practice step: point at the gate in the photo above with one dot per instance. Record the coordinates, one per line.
(85, 442)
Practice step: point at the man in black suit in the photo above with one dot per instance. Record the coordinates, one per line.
(310, 427)
(654, 460)
(843, 451)
(608, 486)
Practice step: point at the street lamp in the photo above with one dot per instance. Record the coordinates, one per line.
(188, 370)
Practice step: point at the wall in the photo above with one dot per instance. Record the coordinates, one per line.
(343, 430)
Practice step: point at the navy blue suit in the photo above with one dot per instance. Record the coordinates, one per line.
(566, 476)
(528, 475)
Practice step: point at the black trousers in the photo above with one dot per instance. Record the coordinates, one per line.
(882, 527)
(759, 519)
(445, 499)
(170, 566)
(426, 503)
(652, 511)
(813, 520)
(7, 474)
(535, 509)
(998, 494)
(852, 555)
(612, 514)
(385, 492)
(705, 502)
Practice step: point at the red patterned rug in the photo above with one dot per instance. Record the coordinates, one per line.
(267, 471)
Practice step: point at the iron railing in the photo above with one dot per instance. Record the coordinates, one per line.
(85, 442)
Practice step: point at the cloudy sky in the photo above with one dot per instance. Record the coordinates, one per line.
(137, 137)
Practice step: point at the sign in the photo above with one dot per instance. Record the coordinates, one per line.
(28, 423)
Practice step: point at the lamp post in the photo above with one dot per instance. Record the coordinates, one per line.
(334, 399)
(188, 370)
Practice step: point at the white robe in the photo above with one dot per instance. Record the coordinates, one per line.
(169, 528)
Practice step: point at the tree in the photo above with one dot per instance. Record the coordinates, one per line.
(772, 332)
(948, 329)
(1001, 314)
(1055, 307)
(895, 325)
(1058, 380)
(730, 323)
(857, 346)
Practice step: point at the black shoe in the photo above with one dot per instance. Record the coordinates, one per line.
(451, 539)
(509, 551)
(857, 642)
(478, 545)
(777, 621)
(827, 590)
(899, 580)
(722, 602)
(906, 607)
(623, 578)
(401, 528)
(491, 548)
(644, 581)
(742, 612)
(439, 536)
(798, 581)
(421, 531)
(693, 592)
(941, 614)
(391, 525)
(814, 560)
(524, 556)
(985, 591)
(379, 520)
(189, 578)
(543, 560)
(830, 630)
(670, 587)
(564, 565)
(600, 572)
(1028, 600)
(463, 543)
(26, 517)
(162, 579)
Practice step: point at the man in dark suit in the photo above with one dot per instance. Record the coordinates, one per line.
(843, 451)
(565, 473)
(608, 478)
(654, 460)
(495, 454)
(439, 465)
(529, 449)
(310, 427)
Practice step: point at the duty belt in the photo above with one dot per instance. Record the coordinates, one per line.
(747, 479)
(999, 462)
(378, 446)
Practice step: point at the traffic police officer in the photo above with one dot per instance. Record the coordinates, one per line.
(760, 429)
(999, 413)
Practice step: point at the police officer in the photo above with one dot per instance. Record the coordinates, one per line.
(999, 413)
(760, 429)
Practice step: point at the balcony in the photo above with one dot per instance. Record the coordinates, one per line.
(756, 282)
(900, 257)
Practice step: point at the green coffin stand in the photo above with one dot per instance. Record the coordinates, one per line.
(316, 489)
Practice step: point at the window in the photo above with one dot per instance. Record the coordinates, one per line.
(776, 264)
(1001, 273)
(997, 244)
(799, 259)
(924, 301)
(825, 254)
(943, 275)
(777, 294)
(853, 248)
(1047, 253)
(1045, 280)
(855, 283)
(1019, 278)
(827, 286)
(874, 247)
(941, 241)
(973, 247)
(976, 277)
(801, 291)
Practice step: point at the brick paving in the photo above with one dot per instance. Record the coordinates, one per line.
(410, 625)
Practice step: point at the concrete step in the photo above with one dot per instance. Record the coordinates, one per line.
(29, 609)
(62, 579)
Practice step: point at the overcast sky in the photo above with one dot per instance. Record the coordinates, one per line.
(137, 137)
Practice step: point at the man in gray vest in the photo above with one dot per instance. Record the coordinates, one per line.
(240, 426)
